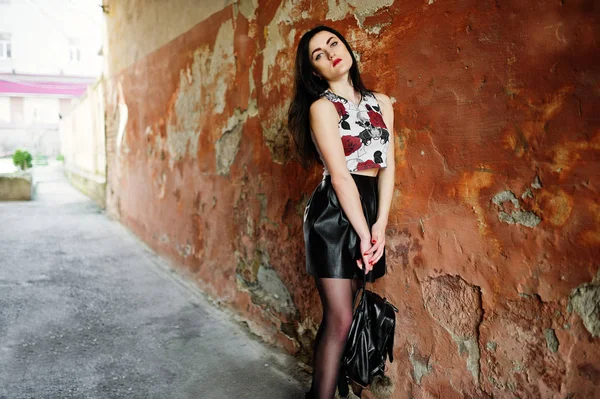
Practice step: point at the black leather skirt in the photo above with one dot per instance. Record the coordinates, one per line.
(332, 245)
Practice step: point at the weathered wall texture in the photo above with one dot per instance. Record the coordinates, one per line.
(149, 24)
(494, 235)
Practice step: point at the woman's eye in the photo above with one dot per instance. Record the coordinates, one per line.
(318, 55)
(334, 43)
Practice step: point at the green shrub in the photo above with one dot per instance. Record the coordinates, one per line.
(60, 157)
(22, 159)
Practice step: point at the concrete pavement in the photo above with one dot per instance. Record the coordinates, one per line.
(88, 311)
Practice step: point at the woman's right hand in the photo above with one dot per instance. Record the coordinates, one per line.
(365, 245)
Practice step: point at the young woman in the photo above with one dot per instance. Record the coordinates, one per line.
(337, 122)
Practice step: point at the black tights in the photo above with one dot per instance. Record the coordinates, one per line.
(336, 295)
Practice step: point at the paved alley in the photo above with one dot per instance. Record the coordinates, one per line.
(88, 311)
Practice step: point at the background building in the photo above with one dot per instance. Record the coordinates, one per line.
(50, 51)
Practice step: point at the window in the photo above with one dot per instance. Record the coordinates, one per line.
(5, 46)
(74, 51)
(74, 54)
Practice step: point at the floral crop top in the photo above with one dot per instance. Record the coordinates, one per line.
(364, 135)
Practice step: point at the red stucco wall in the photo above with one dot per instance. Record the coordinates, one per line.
(494, 234)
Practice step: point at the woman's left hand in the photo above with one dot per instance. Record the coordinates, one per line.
(378, 241)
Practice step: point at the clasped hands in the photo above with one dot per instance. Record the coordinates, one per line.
(372, 247)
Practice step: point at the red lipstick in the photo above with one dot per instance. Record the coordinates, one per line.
(337, 61)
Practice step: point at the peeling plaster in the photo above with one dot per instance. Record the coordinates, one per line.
(456, 306)
(275, 41)
(154, 24)
(276, 137)
(263, 284)
(585, 301)
(376, 29)
(223, 53)
(273, 127)
(185, 250)
(227, 148)
(220, 92)
(505, 196)
(157, 147)
(229, 143)
(161, 183)
(251, 84)
(421, 365)
(339, 9)
(123, 116)
(203, 83)
(518, 216)
(527, 194)
(271, 283)
(248, 9)
(471, 347)
(185, 123)
(551, 340)
(524, 218)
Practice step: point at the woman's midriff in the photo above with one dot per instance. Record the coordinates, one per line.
(367, 172)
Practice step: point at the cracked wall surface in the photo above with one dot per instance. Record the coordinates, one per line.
(493, 238)
(456, 306)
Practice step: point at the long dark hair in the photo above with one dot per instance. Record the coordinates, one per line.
(307, 89)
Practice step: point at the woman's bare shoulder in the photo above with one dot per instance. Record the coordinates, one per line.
(322, 107)
(320, 103)
(382, 99)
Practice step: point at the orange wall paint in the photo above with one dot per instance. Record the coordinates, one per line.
(496, 124)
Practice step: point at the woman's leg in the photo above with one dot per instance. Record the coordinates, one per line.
(343, 386)
(336, 296)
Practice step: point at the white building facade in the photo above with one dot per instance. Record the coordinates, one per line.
(49, 54)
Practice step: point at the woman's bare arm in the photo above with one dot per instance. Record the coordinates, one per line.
(324, 124)
(386, 183)
(386, 175)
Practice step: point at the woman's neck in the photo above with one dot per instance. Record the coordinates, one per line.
(344, 89)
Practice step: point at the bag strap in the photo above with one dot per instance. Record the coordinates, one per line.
(390, 345)
(361, 289)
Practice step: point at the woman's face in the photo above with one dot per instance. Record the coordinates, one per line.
(329, 56)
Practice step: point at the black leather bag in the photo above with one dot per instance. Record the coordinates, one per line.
(371, 337)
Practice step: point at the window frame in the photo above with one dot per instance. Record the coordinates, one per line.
(74, 54)
(5, 49)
